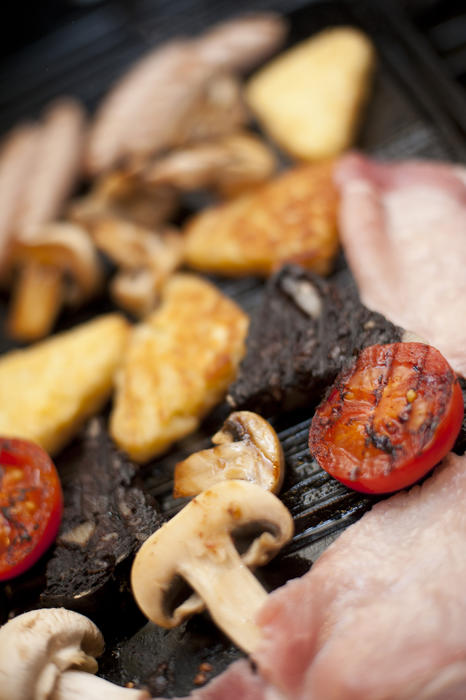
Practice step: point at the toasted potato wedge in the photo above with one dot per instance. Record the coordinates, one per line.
(292, 218)
(179, 364)
(49, 389)
(309, 99)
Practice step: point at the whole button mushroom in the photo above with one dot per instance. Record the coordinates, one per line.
(49, 654)
(197, 547)
(247, 447)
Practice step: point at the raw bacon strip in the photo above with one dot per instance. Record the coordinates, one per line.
(238, 682)
(403, 228)
(381, 615)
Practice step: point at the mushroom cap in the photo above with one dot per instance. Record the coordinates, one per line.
(203, 530)
(136, 290)
(36, 647)
(247, 447)
(67, 247)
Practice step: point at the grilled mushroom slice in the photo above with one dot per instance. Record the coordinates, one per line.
(49, 654)
(146, 258)
(57, 264)
(237, 162)
(247, 447)
(197, 547)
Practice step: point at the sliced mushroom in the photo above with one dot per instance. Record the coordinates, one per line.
(197, 547)
(133, 246)
(57, 264)
(124, 195)
(218, 110)
(247, 448)
(230, 164)
(136, 291)
(49, 654)
(146, 259)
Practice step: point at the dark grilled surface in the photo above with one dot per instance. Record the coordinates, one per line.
(405, 118)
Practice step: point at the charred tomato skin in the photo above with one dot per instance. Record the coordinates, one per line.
(389, 418)
(31, 505)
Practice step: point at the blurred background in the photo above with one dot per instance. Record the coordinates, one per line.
(79, 47)
(442, 23)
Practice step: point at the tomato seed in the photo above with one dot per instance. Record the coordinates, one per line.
(15, 474)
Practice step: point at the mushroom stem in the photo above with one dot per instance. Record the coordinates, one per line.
(36, 301)
(76, 685)
(230, 591)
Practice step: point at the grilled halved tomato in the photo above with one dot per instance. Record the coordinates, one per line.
(31, 505)
(389, 418)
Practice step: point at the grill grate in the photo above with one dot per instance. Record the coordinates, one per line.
(444, 24)
(414, 111)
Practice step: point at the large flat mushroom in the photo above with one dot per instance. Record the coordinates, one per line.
(197, 547)
(49, 654)
(246, 447)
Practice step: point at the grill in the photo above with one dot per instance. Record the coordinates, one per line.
(416, 110)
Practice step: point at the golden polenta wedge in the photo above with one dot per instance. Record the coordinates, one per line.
(309, 98)
(179, 364)
(50, 388)
(291, 218)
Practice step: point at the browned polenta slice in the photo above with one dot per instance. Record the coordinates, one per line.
(291, 218)
(179, 364)
(49, 389)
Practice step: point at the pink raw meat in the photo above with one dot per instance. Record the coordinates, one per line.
(403, 228)
(382, 614)
(238, 682)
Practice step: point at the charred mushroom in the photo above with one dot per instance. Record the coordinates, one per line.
(197, 547)
(57, 264)
(49, 654)
(247, 447)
